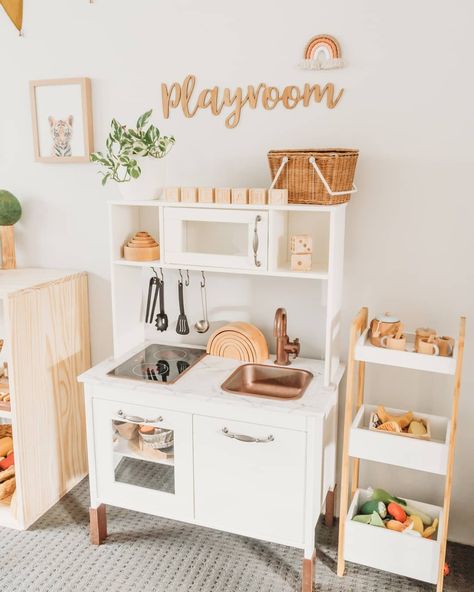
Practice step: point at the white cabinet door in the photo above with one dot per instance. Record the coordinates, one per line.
(254, 488)
(131, 472)
(225, 238)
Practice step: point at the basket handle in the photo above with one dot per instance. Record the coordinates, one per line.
(312, 161)
(284, 160)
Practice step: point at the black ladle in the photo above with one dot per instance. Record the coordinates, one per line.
(162, 318)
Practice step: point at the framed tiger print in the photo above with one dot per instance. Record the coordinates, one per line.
(62, 120)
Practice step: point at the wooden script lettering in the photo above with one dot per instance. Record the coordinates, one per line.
(176, 95)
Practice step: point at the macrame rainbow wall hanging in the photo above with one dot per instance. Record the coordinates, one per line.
(323, 52)
(14, 10)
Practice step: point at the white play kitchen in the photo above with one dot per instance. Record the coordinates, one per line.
(239, 432)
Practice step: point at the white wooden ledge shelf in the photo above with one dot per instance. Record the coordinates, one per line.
(412, 453)
(395, 552)
(366, 352)
(319, 272)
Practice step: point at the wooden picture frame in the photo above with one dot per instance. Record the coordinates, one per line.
(66, 135)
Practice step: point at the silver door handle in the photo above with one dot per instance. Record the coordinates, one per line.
(244, 438)
(255, 242)
(137, 418)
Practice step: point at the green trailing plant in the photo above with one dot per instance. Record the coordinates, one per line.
(125, 145)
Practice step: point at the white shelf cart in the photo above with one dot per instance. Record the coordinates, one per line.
(418, 558)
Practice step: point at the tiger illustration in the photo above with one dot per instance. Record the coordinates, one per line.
(61, 132)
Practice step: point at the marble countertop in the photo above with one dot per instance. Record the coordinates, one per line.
(203, 381)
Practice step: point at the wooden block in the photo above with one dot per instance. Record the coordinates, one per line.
(205, 194)
(278, 197)
(301, 244)
(222, 195)
(172, 194)
(301, 262)
(189, 194)
(240, 195)
(257, 196)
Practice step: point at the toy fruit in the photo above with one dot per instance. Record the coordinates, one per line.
(396, 511)
(427, 520)
(446, 569)
(364, 518)
(430, 530)
(417, 523)
(417, 428)
(375, 520)
(395, 525)
(374, 506)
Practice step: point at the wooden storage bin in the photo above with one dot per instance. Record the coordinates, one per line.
(395, 552)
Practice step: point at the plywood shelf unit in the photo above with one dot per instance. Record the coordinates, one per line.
(377, 547)
(45, 318)
(247, 240)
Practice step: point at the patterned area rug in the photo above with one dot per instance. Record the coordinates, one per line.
(148, 554)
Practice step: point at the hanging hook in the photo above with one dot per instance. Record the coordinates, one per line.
(161, 273)
(181, 275)
(203, 282)
(187, 282)
(154, 271)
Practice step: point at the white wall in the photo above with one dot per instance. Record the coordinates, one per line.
(407, 106)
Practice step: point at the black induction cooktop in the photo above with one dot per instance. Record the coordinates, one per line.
(159, 363)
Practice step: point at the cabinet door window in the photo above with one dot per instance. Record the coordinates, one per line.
(144, 458)
(144, 455)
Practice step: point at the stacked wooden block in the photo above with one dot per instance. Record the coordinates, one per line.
(227, 195)
(301, 248)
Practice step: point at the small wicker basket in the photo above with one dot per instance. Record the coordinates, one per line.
(314, 176)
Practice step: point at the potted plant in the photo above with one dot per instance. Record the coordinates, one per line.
(135, 158)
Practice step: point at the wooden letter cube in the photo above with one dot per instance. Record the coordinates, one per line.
(189, 194)
(301, 244)
(172, 193)
(301, 262)
(222, 195)
(239, 195)
(278, 197)
(206, 194)
(257, 196)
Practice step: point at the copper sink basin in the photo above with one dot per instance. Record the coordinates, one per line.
(272, 382)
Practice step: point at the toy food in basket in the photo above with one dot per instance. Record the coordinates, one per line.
(387, 511)
(7, 466)
(402, 425)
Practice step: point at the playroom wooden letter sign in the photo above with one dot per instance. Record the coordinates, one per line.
(181, 95)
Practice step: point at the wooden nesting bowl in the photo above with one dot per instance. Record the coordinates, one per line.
(142, 247)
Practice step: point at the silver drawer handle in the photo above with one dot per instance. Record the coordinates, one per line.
(255, 242)
(244, 438)
(137, 418)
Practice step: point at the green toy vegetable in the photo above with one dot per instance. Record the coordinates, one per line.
(375, 520)
(364, 518)
(374, 506)
(10, 208)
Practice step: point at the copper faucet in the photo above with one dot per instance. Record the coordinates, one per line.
(284, 347)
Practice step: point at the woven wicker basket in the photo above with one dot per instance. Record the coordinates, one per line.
(317, 176)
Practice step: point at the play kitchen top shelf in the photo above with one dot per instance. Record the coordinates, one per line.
(366, 352)
(197, 205)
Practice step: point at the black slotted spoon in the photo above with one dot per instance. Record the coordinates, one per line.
(182, 325)
(162, 318)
